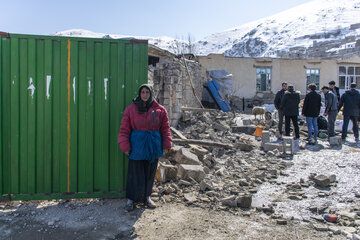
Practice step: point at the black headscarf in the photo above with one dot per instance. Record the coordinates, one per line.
(141, 105)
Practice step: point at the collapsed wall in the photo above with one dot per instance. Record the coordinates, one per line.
(172, 86)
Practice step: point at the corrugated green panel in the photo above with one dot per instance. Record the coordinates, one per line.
(104, 179)
(114, 165)
(59, 139)
(83, 91)
(6, 115)
(120, 98)
(31, 133)
(1, 126)
(74, 100)
(90, 110)
(40, 96)
(23, 78)
(14, 92)
(63, 114)
(48, 114)
(55, 90)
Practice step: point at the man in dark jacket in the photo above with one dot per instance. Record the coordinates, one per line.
(277, 103)
(311, 110)
(351, 101)
(334, 89)
(330, 109)
(290, 107)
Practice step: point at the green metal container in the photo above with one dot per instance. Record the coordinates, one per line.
(61, 103)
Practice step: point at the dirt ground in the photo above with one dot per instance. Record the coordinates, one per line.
(106, 219)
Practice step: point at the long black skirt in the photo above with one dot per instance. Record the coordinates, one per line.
(140, 179)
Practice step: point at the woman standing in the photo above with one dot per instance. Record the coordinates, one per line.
(144, 136)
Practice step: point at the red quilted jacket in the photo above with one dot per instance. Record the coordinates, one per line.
(154, 119)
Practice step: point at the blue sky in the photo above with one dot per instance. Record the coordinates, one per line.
(173, 18)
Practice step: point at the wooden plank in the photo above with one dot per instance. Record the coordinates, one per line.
(191, 109)
(202, 142)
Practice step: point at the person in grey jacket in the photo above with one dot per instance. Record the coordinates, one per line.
(351, 101)
(331, 109)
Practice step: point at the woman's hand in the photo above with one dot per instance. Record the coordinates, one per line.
(127, 153)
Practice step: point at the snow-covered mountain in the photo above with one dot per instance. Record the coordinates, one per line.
(320, 28)
(295, 29)
(171, 44)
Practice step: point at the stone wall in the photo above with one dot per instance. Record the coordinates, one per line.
(172, 86)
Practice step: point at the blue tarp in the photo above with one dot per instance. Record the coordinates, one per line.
(214, 89)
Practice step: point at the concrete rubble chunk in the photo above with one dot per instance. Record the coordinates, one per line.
(322, 181)
(229, 201)
(220, 127)
(243, 182)
(249, 129)
(335, 141)
(205, 185)
(187, 172)
(247, 147)
(184, 156)
(244, 201)
(184, 183)
(272, 147)
(165, 173)
(281, 221)
(190, 197)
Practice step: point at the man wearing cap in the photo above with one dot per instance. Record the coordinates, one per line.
(334, 89)
(330, 109)
(351, 101)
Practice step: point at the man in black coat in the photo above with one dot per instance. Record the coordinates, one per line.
(277, 103)
(290, 107)
(311, 110)
(334, 89)
(351, 101)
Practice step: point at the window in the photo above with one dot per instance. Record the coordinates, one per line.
(347, 75)
(313, 76)
(263, 79)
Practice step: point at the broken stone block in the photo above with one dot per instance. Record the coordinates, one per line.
(281, 221)
(184, 156)
(187, 172)
(199, 151)
(265, 138)
(190, 197)
(246, 122)
(205, 185)
(332, 178)
(243, 182)
(272, 146)
(184, 183)
(244, 146)
(322, 181)
(165, 173)
(229, 201)
(219, 127)
(249, 130)
(244, 201)
(335, 141)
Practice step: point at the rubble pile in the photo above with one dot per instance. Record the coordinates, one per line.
(223, 171)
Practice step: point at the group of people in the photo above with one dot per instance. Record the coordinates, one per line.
(287, 103)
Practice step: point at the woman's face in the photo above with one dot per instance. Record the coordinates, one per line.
(145, 94)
